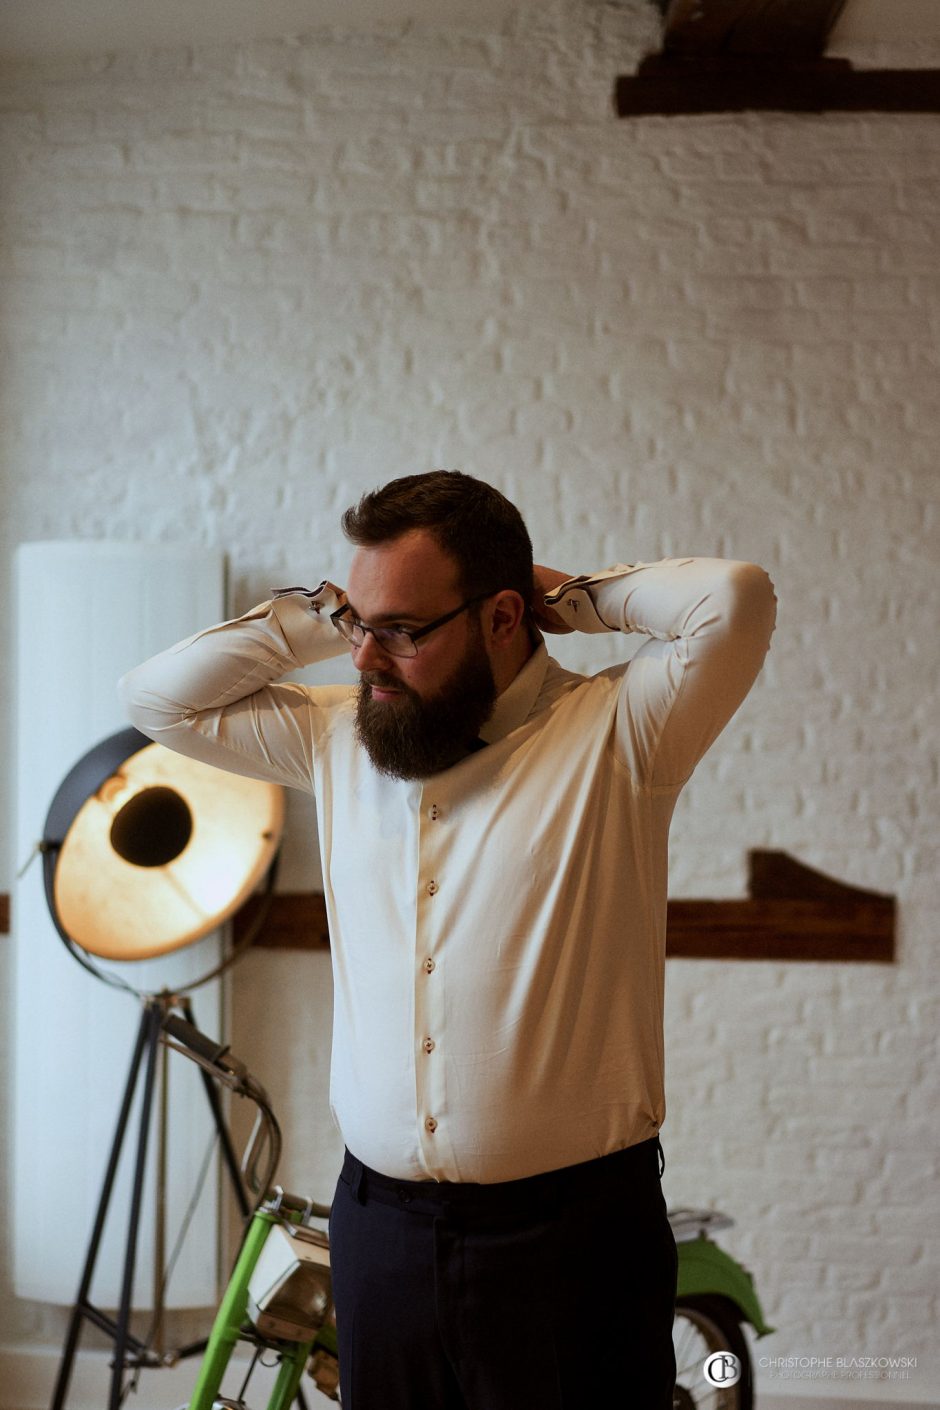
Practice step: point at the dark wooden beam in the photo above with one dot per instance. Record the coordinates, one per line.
(779, 930)
(296, 921)
(791, 913)
(671, 87)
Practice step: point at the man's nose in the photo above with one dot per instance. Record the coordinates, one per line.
(370, 656)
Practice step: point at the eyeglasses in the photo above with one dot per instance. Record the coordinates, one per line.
(395, 641)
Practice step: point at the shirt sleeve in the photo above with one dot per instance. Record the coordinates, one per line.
(215, 696)
(708, 622)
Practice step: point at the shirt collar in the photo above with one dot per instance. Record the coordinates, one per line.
(516, 702)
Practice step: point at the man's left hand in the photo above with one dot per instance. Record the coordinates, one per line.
(546, 618)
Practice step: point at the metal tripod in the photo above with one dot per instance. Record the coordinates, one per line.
(128, 1349)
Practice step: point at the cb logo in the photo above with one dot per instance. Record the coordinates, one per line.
(722, 1368)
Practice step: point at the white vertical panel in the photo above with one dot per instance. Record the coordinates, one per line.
(85, 613)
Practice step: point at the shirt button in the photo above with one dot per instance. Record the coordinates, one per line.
(430, 1125)
(433, 888)
(429, 965)
(435, 812)
(428, 1045)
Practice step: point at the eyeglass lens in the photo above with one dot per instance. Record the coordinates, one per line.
(393, 640)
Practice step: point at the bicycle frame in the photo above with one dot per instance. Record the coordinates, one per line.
(234, 1323)
(229, 1328)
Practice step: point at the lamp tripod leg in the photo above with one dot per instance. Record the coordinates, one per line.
(154, 1026)
(147, 1043)
(82, 1307)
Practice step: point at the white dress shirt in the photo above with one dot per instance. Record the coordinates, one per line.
(498, 929)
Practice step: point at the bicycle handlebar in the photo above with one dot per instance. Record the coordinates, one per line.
(198, 1045)
(218, 1061)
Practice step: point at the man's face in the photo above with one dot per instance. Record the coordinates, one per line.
(416, 715)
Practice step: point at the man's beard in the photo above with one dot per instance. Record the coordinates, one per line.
(411, 737)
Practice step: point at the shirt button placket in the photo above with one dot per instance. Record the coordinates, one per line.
(427, 1043)
(430, 1074)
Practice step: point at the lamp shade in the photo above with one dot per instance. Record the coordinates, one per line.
(147, 851)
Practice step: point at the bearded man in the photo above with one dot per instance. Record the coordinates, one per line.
(493, 835)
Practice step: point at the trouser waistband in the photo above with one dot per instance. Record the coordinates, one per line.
(635, 1164)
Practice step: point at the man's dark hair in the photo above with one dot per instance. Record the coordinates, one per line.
(472, 522)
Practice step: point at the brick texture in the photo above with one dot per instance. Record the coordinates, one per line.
(242, 284)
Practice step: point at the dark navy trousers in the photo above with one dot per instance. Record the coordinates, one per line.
(549, 1293)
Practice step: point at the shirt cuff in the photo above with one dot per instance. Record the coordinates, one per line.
(303, 613)
(574, 600)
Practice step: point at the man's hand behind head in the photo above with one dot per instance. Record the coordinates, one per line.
(546, 618)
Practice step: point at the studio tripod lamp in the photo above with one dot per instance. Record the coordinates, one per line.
(145, 852)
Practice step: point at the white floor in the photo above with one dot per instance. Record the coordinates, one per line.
(27, 1379)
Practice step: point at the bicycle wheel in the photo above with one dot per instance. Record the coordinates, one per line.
(702, 1326)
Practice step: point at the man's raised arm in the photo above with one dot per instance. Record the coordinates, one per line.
(215, 696)
(708, 622)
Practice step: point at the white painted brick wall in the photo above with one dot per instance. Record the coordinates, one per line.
(242, 284)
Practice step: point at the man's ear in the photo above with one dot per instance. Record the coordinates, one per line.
(507, 613)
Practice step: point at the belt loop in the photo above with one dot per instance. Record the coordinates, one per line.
(356, 1184)
(662, 1157)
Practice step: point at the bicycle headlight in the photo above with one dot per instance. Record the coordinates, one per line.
(291, 1289)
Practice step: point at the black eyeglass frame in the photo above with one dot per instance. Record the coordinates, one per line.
(347, 627)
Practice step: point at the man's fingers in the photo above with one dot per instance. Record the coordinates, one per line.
(546, 617)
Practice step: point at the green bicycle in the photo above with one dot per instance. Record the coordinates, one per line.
(278, 1301)
(715, 1298)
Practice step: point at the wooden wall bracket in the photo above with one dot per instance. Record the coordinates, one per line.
(791, 913)
(733, 56)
